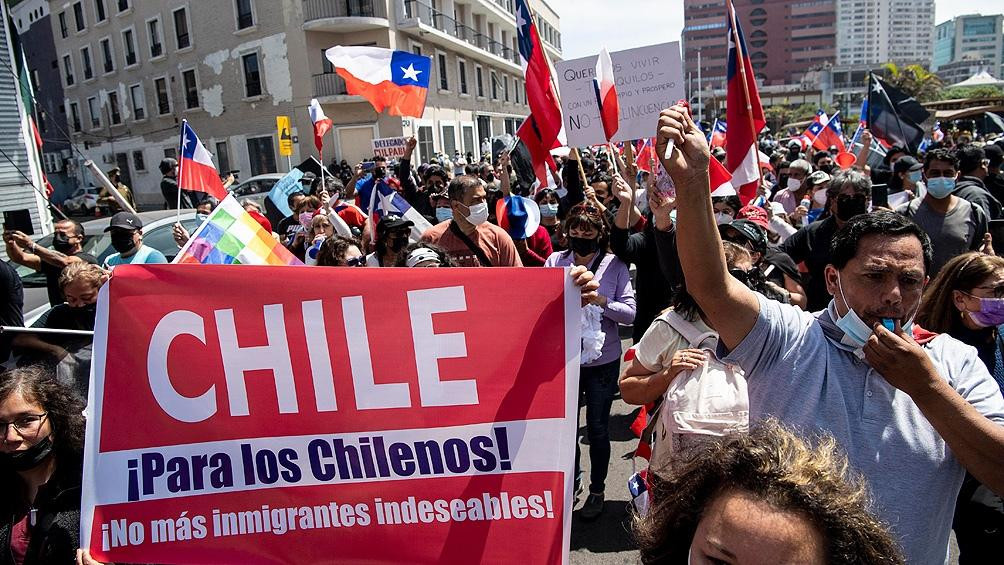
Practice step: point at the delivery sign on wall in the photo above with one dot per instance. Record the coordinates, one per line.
(291, 415)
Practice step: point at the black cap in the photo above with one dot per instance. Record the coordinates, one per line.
(391, 221)
(906, 163)
(125, 221)
(748, 231)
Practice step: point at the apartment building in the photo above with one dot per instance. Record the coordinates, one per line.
(131, 70)
(880, 31)
(968, 44)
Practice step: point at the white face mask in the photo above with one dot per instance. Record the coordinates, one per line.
(478, 214)
(819, 197)
(722, 218)
(794, 184)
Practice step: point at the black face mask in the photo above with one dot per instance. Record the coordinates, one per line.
(582, 246)
(61, 243)
(828, 169)
(123, 242)
(847, 208)
(85, 314)
(28, 458)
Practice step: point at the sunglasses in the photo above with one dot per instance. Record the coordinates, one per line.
(750, 278)
(357, 261)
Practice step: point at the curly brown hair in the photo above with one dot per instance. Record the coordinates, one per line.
(333, 250)
(775, 465)
(64, 409)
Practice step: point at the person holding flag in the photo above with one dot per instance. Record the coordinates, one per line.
(196, 171)
(744, 114)
(543, 128)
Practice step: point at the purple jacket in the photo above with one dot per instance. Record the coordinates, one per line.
(615, 285)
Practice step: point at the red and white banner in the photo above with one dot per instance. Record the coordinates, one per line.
(282, 415)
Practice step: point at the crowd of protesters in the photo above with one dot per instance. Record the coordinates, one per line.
(822, 366)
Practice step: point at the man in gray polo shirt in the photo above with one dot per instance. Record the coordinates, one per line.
(911, 416)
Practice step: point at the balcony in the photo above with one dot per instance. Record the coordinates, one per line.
(329, 88)
(426, 22)
(344, 15)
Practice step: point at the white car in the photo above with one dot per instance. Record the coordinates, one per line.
(82, 201)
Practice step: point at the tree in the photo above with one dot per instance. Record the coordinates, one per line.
(914, 80)
(962, 92)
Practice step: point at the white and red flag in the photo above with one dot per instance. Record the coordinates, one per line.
(743, 113)
(195, 169)
(322, 123)
(606, 94)
(542, 129)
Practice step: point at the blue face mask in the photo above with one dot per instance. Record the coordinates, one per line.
(940, 187)
(548, 210)
(443, 214)
(914, 176)
(856, 331)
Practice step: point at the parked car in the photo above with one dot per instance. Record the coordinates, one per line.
(157, 226)
(82, 201)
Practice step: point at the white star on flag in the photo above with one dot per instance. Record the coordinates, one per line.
(520, 22)
(411, 72)
(387, 203)
(184, 144)
(877, 87)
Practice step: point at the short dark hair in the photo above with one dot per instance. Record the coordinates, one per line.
(844, 246)
(471, 169)
(600, 177)
(819, 155)
(583, 214)
(970, 157)
(78, 229)
(941, 155)
(436, 171)
(331, 184)
(861, 183)
(459, 186)
(732, 201)
(293, 196)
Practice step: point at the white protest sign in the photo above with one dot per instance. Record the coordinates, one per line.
(649, 79)
(389, 147)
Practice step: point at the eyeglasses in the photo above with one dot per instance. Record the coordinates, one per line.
(25, 425)
(357, 261)
(997, 290)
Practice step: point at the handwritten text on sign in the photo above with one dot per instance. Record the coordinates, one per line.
(389, 406)
(649, 79)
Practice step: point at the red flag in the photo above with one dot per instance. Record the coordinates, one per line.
(322, 123)
(646, 155)
(541, 130)
(606, 94)
(743, 113)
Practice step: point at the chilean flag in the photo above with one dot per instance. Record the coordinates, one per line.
(196, 170)
(831, 135)
(377, 199)
(606, 94)
(743, 113)
(811, 132)
(542, 129)
(395, 80)
(322, 123)
(646, 155)
(721, 180)
(718, 134)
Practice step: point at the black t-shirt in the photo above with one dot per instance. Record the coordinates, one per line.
(52, 273)
(778, 264)
(11, 306)
(63, 317)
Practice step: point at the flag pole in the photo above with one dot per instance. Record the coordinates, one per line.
(582, 170)
(741, 67)
(181, 153)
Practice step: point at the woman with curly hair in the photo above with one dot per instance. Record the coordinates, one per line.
(765, 497)
(41, 459)
(339, 251)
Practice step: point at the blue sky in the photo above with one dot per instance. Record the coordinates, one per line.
(587, 24)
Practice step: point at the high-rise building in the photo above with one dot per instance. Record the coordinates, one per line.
(881, 31)
(967, 45)
(132, 69)
(785, 39)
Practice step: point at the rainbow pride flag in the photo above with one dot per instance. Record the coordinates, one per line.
(230, 236)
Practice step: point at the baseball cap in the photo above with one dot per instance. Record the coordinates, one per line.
(125, 221)
(755, 214)
(817, 178)
(748, 231)
(906, 163)
(391, 221)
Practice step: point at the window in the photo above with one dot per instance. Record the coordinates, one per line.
(171, 152)
(479, 79)
(416, 49)
(123, 5)
(468, 134)
(129, 46)
(79, 21)
(505, 86)
(75, 116)
(138, 100)
(326, 66)
(94, 109)
(153, 31)
(444, 83)
(106, 55)
(261, 154)
(64, 32)
(425, 148)
(252, 76)
(138, 162)
(462, 74)
(191, 86)
(99, 11)
(222, 157)
(495, 86)
(113, 108)
(182, 39)
(449, 140)
(515, 89)
(163, 96)
(85, 60)
(245, 14)
(68, 70)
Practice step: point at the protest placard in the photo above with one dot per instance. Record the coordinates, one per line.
(649, 79)
(389, 147)
(381, 416)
